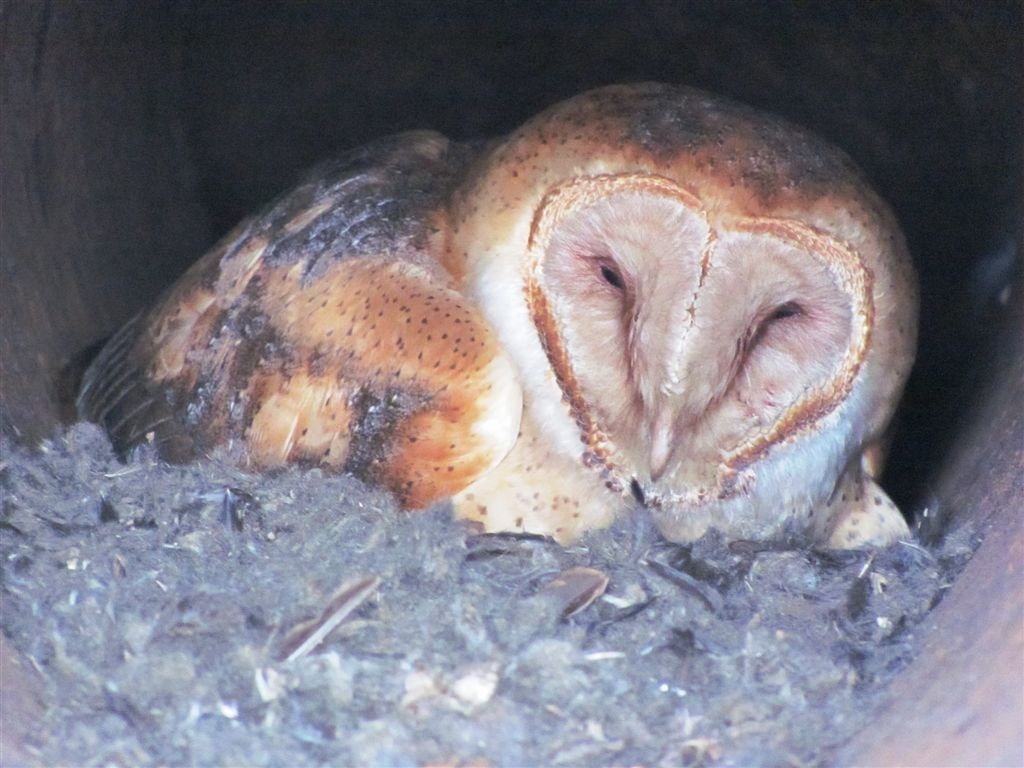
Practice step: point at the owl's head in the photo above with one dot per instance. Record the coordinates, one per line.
(712, 296)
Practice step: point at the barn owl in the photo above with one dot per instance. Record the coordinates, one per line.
(646, 296)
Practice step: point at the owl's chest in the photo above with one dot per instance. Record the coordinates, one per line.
(545, 485)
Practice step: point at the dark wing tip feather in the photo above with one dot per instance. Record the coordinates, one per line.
(116, 394)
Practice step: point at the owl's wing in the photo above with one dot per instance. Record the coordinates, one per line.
(324, 331)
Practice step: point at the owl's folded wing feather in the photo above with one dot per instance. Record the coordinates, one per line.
(326, 331)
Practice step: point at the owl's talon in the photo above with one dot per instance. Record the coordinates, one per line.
(862, 515)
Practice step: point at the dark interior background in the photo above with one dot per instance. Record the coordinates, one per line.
(135, 133)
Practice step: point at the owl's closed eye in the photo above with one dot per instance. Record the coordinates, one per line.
(644, 292)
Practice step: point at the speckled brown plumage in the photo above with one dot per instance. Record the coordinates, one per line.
(644, 292)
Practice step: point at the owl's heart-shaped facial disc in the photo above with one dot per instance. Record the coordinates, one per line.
(687, 346)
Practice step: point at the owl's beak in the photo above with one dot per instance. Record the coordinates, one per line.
(662, 443)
